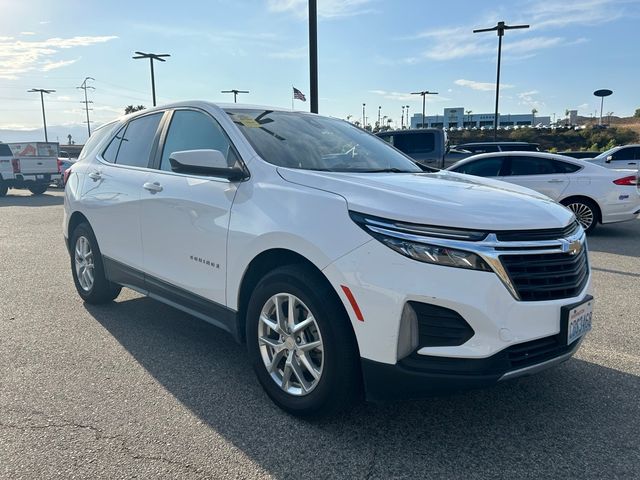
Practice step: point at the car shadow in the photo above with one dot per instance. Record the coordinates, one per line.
(578, 420)
(614, 238)
(44, 200)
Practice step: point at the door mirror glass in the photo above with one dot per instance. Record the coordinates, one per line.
(205, 162)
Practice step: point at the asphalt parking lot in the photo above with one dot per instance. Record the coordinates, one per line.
(139, 389)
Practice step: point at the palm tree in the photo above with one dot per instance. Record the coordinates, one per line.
(130, 109)
(468, 112)
(566, 114)
(533, 116)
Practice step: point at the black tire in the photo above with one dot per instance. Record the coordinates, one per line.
(340, 384)
(38, 188)
(584, 210)
(102, 290)
(3, 189)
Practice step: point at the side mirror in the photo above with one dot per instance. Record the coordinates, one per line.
(205, 162)
(609, 158)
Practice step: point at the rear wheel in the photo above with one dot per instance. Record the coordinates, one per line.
(3, 188)
(87, 268)
(586, 212)
(301, 344)
(39, 188)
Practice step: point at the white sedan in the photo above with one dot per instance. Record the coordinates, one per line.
(595, 194)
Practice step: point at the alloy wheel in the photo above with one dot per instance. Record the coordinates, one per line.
(583, 213)
(84, 263)
(290, 344)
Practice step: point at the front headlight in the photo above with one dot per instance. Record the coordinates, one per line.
(413, 241)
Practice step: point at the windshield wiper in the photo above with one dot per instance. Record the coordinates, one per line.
(384, 170)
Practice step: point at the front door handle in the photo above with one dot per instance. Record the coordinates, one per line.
(555, 181)
(95, 176)
(154, 187)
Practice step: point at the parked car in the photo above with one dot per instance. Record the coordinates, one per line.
(427, 146)
(594, 194)
(64, 163)
(627, 156)
(30, 165)
(340, 264)
(578, 154)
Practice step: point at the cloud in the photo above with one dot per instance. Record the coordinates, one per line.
(482, 86)
(529, 99)
(59, 64)
(292, 54)
(326, 8)
(20, 56)
(543, 15)
(27, 33)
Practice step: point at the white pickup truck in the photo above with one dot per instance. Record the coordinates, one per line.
(30, 165)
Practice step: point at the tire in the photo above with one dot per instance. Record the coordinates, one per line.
(99, 289)
(3, 189)
(38, 188)
(586, 212)
(339, 382)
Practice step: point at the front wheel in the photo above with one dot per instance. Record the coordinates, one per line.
(3, 188)
(38, 189)
(585, 211)
(87, 267)
(301, 343)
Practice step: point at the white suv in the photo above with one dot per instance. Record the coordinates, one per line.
(344, 268)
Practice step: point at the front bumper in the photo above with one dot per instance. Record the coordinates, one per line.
(419, 375)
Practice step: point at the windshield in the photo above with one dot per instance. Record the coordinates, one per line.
(311, 142)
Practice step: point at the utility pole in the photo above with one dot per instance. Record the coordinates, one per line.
(42, 91)
(500, 29)
(424, 94)
(86, 102)
(313, 54)
(235, 93)
(152, 57)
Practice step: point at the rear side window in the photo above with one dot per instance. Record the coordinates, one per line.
(132, 145)
(565, 167)
(5, 151)
(531, 166)
(193, 130)
(415, 142)
(94, 140)
(487, 167)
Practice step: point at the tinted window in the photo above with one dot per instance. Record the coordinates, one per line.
(531, 166)
(313, 142)
(487, 167)
(415, 142)
(5, 151)
(137, 141)
(191, 130)
(480, 148)
(631, 153)
(565, 167)
(112, 150)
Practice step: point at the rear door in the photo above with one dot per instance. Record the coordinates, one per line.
(113, 189)
(537, 173)
(185, 217)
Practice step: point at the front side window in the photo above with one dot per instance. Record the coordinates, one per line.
(193, 130)
(486, 167)
(311, 142)
(133, 143)
(531, 166)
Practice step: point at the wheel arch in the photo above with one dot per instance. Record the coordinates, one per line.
(76, 219)
(569, 199)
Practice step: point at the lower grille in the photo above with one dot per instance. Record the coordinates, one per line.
(536, 351)
(439, 326)
(550, 276)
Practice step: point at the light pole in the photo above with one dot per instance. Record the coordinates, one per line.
(500, 29)
(379, 109)
(42, 91)
(363, 117)
(235, 93)
(152, 57)
(424, 94)
(86, 102)
(313, 54)
(602, 93)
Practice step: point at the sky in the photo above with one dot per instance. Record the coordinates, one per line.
(370, 51)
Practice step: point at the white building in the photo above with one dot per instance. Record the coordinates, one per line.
(456, 117)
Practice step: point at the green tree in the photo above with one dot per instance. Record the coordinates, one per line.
(130, 109)
(637, 114)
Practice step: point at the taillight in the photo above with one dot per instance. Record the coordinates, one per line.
(65, 177)
(631, 180)
(15, 163)
(59, 166)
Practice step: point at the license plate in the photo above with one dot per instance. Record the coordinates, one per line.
(579, 320)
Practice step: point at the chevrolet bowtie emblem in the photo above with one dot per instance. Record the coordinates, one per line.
(572, 248)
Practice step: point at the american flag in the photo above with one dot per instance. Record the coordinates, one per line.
(298, 95)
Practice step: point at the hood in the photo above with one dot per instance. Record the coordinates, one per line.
(441, 199)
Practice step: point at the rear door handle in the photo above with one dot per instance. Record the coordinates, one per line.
(154, 187)
(555, 181)
(95, 176)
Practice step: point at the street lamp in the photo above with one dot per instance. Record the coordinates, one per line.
(313, 55)
(42, 91)
(152, 57)
(235, 93)
(500, 29)
(424, 94)
(602, 93)
(379, 109)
